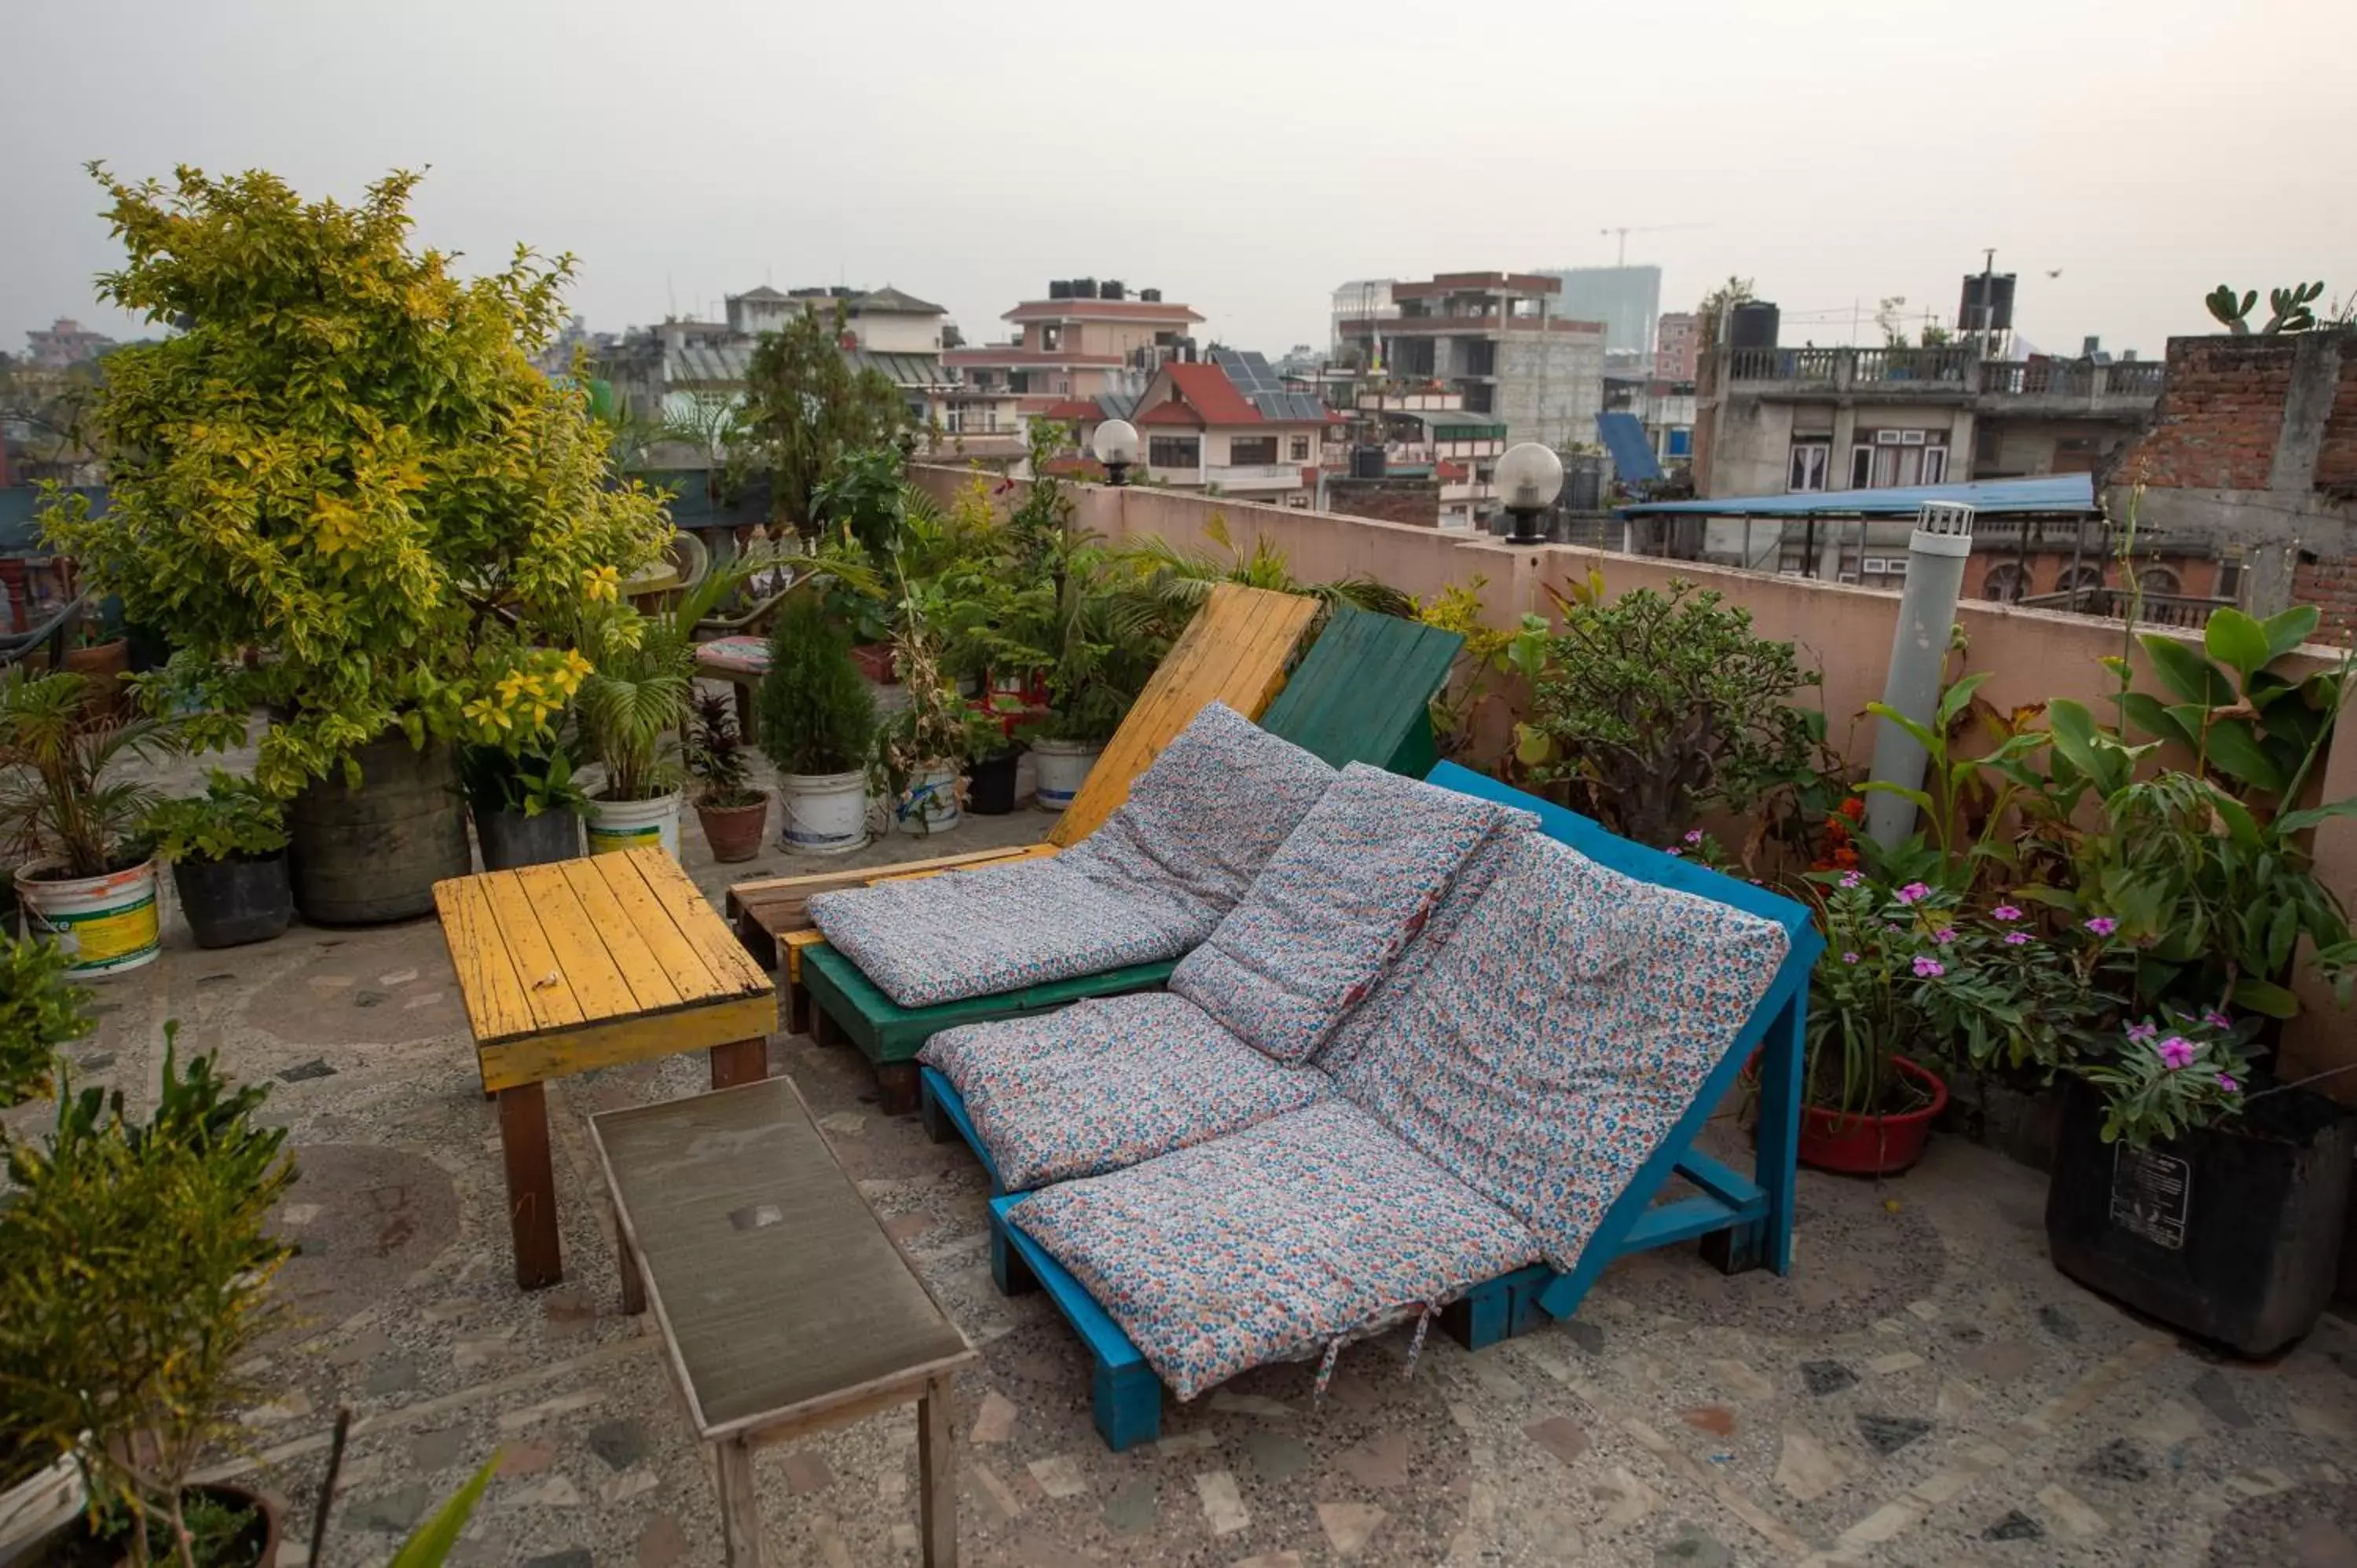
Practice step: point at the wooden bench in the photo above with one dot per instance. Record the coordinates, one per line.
(783, 1307)
(1364, 693)
(588, 963)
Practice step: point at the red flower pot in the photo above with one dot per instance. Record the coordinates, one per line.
(1872, 1145)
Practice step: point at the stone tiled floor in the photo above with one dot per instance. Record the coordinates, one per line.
(1925, 1389)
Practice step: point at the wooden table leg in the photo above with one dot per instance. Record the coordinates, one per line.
(739, 1062)
(798, 1006)
(937, 1475)
(531, 1186)
(741, 1506)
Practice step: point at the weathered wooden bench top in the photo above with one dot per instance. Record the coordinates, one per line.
(783, 1303)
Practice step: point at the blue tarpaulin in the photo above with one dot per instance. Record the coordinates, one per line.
(2060, 495)
(1633, 454)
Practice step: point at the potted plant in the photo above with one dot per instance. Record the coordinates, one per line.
(41, 1488)
(1098, 662)
(2191, 1180)
(526, 804)
(817, 726)
(91, 891)
(102, 658)
(921, 749)
(632, 709)
(392, 511)
(227, 849)
(733, 813)
(139, 1269)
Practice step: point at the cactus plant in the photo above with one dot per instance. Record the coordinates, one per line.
(2290, 307)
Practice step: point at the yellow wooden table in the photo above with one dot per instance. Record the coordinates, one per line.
(589, 963)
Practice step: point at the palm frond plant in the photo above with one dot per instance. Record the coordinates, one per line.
(1171, 583)
(60, 792)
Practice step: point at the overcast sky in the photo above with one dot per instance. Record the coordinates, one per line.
(1245, 157)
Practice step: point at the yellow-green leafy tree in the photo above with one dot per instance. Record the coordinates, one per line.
(340, 488)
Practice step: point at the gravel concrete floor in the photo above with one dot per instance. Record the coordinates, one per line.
(1925, 1389)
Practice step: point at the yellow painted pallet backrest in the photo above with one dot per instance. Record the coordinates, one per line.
(1235, 651)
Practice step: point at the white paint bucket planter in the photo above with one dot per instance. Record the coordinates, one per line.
(108, 923)
(634, 825)
(825, 813)
(929, 804)
(1063, 767)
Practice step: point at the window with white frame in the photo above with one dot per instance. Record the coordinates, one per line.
(1301, 449)
(1883, 459)
(1809, 461)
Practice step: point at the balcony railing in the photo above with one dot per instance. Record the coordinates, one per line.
(1947, 370)
(1252, 475)
(2189, 611)
(1853, 367)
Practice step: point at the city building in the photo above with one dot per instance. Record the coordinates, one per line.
(1075, 344)
(1769, 418)
(64, 344)
(1677, 340)
(1360, 299)
(1663, 410)
(1225, 424)
(1627, 300)
(1412, 454)
(1498, 340)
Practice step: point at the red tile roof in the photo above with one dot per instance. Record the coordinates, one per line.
(1172, 411)
(1215, 397)
(1073, 408)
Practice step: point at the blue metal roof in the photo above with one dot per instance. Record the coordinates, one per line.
(1633, 454)
(2066, 494)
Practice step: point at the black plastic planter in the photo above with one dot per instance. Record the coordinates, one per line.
(230, 903)
(2233, 1236)
(511, 839)
(990, 785)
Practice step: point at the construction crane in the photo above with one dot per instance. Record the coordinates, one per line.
(1622, 260)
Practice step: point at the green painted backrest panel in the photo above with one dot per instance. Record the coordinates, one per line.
(1364, 690)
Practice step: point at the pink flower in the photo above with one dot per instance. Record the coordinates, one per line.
(2005, 912)
(2227, 1081)
(2143, 1031)
(1849, 958)
(2215, 1019)
(1928, 968)
(1851, 878)
(2176, 1051)
(1944, 934)
(1912, 892)
(2016, 938)
(2103, 925)
(1694, 835)
(1675, 850)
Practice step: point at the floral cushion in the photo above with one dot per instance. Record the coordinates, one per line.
(1146, 885)
(1561, 1032)
(1335, 904)
(1270, 1243)
(1100, 1085)
(740, 655)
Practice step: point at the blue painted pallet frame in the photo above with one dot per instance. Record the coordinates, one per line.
(1743, 1222)
(942, 1111)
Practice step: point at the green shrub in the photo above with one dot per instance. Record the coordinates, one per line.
(234, 819)
(38, 1013)
(816, 713)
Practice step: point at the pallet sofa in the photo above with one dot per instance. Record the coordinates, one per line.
(1487, 1052)
(1363, 694)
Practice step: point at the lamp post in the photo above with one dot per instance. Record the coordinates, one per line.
(1117, 449)
(1529, 479)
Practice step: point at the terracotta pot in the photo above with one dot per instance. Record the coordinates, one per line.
(733, 832)
(103, 666)
(875, 661)
(1872, 1145)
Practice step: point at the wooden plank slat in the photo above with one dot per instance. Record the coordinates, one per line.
(733, 971)
(647, 966)
(646, 924)
(552, 1003)
(488, 982)
(537, 1057)
(598, 984)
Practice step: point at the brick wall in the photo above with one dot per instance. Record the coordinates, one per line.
(2331, 586)
(2336, 460)
(1386, 500)
(2219, 415)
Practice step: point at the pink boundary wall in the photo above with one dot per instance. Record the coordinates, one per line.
(2031, 655)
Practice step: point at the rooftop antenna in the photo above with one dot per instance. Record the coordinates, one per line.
(670, 298)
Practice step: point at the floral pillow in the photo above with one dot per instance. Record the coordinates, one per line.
(1351, 886)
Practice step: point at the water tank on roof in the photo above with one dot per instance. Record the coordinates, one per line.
(1084, 288)
(1970, 317)
(1753, 325)
(1112, 288)
(1059, 289)
(1368, 462)
(1151, 296)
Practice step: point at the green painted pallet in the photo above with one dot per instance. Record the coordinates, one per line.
(1364, 692)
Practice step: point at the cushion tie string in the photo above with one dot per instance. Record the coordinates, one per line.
(1416, 1346)
(1326, 1371)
